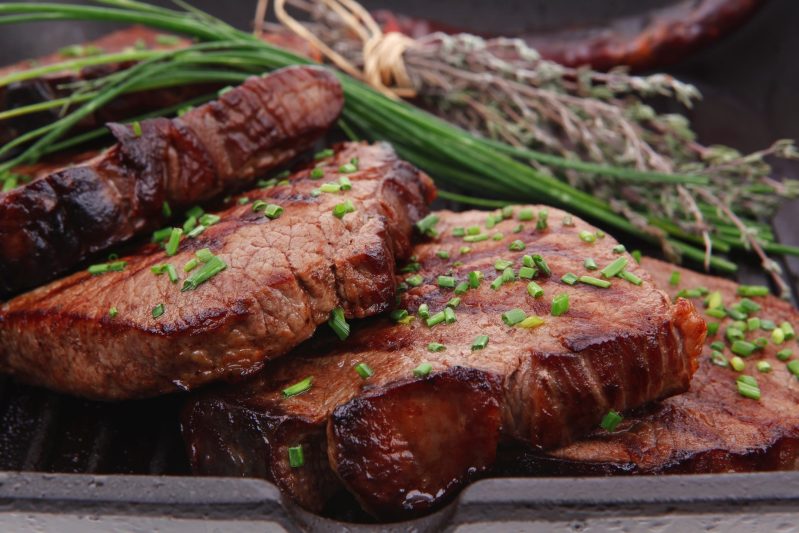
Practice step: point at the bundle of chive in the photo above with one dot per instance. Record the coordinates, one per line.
(224, 54)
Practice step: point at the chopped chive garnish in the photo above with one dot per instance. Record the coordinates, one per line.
(689, 293)
(172, 273)
(345, 183)
(507, 211)
(296, 458)
(473, 230)
(717, 345)
(113, 311)
(777, 336)
(273, 211)
(427, 225)
(569, 279)
(748, 306)
(137, 128)
(525, 215)
(410, 267)
(364, 370)
(258, 205)
(527, 260)
(543, 217)
(454, 303)
(423, 311)
(735, 314)
(479, 342)
(733, 334)
(398, 315)
(415, 280)
(195, 232)
(339, 210)
(784, 355)
(112, 266)
(449, 315)
(265, 184)
(196, 211)
(737, 364)
(513, 317)
(323, 154)
(714, 300)
(315, 193)
(718, 359)
(190, 224)
(541, 265)
(190, 265)
(298, 388)
(436, 347)
(435, 319)
(518, 228)
(636, 255)
(244, 200)
(443, 254)
(763, 366)
(535, 290)
(460, 232)
(742, 348)
(527, 272)
(491, 221)
(716, 313)
(317, 173)
(568, 221)
(516, 246)
(166, 210)
(161, 234)
(531, 322)
(590, 264)
(446, 282)
(158, 310)
(465, 250)
(508, 275)
(560, 304)
(753, 290)
(614, 268)
(587, 236)
(330, 187)
(498, 236)
(713, 328)
(674, 279)
(502, 264)
(173, 242)
(497, 283)
(761, 342)
(787, 329)
(475, 277)
(611, 421)
(338, 323)
(209, 219)
(596, 282)
(767, 325)
(476, 238)
(747, 389)
(462, 287)
(423, 370)
(793, 367)
(626, 275)
(619, 249)
(347, 168)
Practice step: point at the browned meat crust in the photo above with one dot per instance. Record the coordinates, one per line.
(404, 446)
(52, 223)
(283, 278)
(709, 429)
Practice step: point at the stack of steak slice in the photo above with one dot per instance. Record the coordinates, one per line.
(712, 428)
(373, 418)
(50, 224)
(131, 333)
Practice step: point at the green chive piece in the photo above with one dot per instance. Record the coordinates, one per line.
(718, 359)
(497, 283)
(777, 336)
(717, 345)
(204, 255)
(626, 275)
(508, 275)
(531, 322)
(746, 389)
(767, 325)
(793, 367)
(596, 282)
(317, 173)
(449, 315)
(265, 184)
(527, 260)
(513, 317)
(435, 319)
(674, 279)
(619, 249)
(784, 355)
(347, 168)
(195, 212)
(172, 273)
(436, 347)
(535, 290)
(473, 230)
(479, 342)
(476, 238)
(173, 242)
(210, 269)
(465, 250)
(161, 234)
(158, 310)
(761, 342)
(502, 264)
(637, 256)
(541, 265)
(443, 254)
(113, 312)
(190, 265)
(611, 421)
(587, 236)
(423, 311)
(714, 300)
(737, 364)
(410, 267)
(258, 205)
(748, 306)
(590, 264)
(273, 211)
(423, 370)
(542, 223)
(338, 323)
(763, 366)
(735, 314)
(569, 279)
(339, 210)
(298, 388)
(364, 370)
(713, 328)
(753, 290)
(733, 334)
(525, 215)
(753, 324)
(296, 458)
(209, 219)
(527, 272)
(323, 154)
(190, 224)
(446, 282)
(137, 128)
(102, 268)
(454, 303)
(716, 313)
(614, 268)
(427, 225)
(518, 228)
(560, 304)
(568, 220)
(498, 236)
(516, 246)
(414, 281)
(787, 329)
(330, 187)
(398, 315)
(166, 210)
(475, 277)
(344, 183)
(195, 232)
(462, 287)
(743, 348)
(491, 221)
(507, 211)
(460, 232)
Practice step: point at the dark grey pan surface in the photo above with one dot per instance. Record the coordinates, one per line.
(79, 454)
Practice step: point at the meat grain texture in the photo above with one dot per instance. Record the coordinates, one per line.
(283, 278)
(52, 223)
(404, 445)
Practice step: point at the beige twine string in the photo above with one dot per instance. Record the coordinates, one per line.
(383, 63)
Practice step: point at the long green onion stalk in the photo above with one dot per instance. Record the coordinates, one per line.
(456, 158)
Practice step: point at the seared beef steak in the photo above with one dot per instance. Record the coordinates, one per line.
(711, 428)
(404, 444)
(52, 223)
(283, 278)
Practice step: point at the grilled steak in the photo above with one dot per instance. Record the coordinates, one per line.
(711, 428)
(283, 278)
(402, 442)
(52, 223)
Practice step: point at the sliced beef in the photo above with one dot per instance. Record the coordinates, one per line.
(54, 222)
(711, 428)
(404, 444)
(283, 278)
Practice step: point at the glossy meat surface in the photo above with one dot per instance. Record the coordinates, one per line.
(709, 429)
(404, 445)
(283, 278)
(50, 224)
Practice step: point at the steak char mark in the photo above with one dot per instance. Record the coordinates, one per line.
(403, 443)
